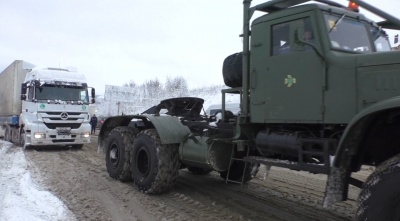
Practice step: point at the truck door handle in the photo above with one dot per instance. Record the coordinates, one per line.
(253, 80)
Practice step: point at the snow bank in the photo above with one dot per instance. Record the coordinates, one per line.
(20, 197)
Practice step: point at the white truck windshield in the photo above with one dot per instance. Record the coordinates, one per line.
(59, 92)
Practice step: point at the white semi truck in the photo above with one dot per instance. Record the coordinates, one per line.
(44, 106)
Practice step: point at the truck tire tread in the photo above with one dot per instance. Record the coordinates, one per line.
(162, 161)
(121, 138)
(378, 199)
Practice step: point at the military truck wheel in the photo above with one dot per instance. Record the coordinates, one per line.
(379, 198)
(199, 171)
(237, 169)
(118, 147)
(154, 165)
(232, 70)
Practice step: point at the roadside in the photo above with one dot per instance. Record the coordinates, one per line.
(21, 197)
(85, 191)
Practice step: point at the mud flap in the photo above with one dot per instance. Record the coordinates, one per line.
(337, 186)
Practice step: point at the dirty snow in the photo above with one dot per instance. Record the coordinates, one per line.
(21, 198)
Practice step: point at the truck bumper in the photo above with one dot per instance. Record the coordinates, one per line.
(54, 137)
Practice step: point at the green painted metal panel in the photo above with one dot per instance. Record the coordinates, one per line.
(169, 128)
(285, 87)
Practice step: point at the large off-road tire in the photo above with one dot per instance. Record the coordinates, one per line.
(154, 165)
(380, 195)
(237, 169)
(232, 70)
(118, 147)
(199, 171)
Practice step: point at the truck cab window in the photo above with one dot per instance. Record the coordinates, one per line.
(380, 38)
(281, 39)
(347, 34)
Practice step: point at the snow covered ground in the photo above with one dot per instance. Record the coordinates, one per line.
(21, 198)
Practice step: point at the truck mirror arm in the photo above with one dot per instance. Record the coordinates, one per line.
(297, 39)
(325, 77)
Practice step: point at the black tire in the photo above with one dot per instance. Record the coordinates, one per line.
(118, 147)
(22, 139)
(7, 134)
(232, 70)
(77, 146)
(237, 169)
(380, 195)
(199, 171)
(154, 165)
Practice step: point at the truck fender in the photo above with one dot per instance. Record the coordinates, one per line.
(169, 128)
(349, 152)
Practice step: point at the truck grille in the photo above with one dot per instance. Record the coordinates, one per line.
(64, 141)
(54, 126)
(71, 120)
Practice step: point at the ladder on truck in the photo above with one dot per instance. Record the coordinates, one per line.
(241, 145)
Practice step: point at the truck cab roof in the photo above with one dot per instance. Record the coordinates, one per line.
(306, 8)
(49, 74)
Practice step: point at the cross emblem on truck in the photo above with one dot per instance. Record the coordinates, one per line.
(289, 80)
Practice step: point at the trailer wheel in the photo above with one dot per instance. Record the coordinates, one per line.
(237, 169)
(380, 196)
(154, 165)
(118, 148)
(199, 171)
(7, 134)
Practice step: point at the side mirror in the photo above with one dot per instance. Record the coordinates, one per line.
(37, 83)
(296, 36)
(23, 91)
(93, 95)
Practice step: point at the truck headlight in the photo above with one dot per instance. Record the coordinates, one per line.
(86, 134)
(39, 135)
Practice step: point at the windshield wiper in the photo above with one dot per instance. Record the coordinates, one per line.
(337, 22)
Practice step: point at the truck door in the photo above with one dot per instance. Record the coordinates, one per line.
(286, 76)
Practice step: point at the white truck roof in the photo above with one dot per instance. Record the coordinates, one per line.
(55, 74)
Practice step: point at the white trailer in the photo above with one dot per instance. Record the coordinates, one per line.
(44, 107)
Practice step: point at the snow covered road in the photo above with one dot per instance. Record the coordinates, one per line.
(20, 197)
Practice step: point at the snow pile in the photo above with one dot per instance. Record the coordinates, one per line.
(20, 197)
(135, 100)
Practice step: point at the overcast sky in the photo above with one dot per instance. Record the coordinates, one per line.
(114, 42)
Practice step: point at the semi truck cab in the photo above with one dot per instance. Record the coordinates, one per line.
(55, 108)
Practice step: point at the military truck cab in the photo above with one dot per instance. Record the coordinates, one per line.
(320, 82)
(319, 52)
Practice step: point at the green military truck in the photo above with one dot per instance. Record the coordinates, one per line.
(319, 89)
